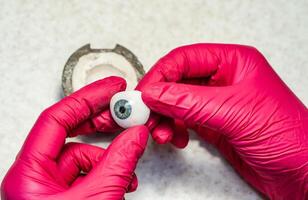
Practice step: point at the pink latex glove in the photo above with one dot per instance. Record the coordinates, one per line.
(232, 97)
(46, 168)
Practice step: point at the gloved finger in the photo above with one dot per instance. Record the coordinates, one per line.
(193, 104)
(193, 61)
(153, 121)
(181, 136)
(163, 132)
(110, 179)
(47, 136)
(160, 131)
(170, 130)
(202, 61)
(103, 122)
(78, 159)
(132, 187)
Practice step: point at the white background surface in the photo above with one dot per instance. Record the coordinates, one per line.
(37, 37)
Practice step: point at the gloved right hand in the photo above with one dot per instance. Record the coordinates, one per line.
(232, 97)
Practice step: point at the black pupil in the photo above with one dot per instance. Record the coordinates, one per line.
(122, 109)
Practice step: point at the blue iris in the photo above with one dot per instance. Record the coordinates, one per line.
(122, 109)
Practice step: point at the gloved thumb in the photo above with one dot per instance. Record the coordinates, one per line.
(195, 105)
(113, 175)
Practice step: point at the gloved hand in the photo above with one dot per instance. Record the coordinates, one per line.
(230, 95)
(46, 168)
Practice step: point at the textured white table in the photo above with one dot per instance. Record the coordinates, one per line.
(37, 37)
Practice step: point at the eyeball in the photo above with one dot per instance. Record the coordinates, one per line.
(128, 109)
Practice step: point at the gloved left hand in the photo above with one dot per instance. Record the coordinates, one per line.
(47, 168)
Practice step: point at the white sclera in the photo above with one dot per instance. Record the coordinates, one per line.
(139, 114)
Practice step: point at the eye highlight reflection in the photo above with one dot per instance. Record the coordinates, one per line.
(122, 109)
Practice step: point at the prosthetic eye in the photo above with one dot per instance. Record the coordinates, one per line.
(128, 109)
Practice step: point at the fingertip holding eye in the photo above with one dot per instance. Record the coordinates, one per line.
(128, 109)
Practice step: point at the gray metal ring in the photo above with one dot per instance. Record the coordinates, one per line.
(86, 49)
